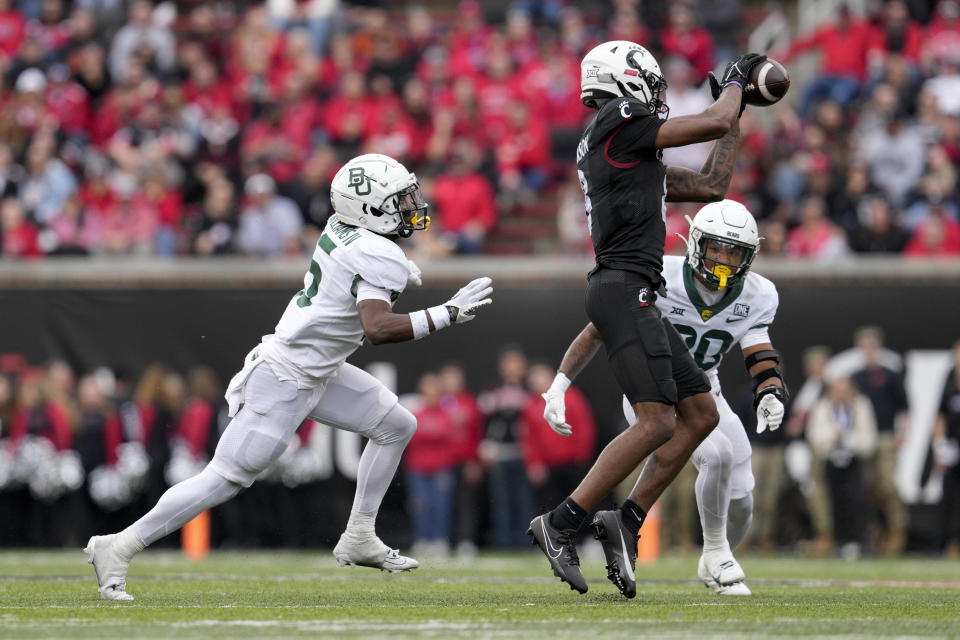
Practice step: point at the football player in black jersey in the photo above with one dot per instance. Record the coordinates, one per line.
(626, 186)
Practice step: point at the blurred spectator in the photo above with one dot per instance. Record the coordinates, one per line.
(463, 200)
(430, 461)
(19, 235)
(685, 98)
(814, 484)
(555, 465)
(877, 231)
(842, 432)
(501, 449)
(12, 30)
(937, 235)
(143, 37)
(269, 224)
(816, 237)
(884, 388)
(311, 189)
(461, 405)
(48, 183)
(843, 63)
(896, 34)
(683, 37)
(218, 220)
(946, 451)
(315, 15)
(98, 438)
(894, 152)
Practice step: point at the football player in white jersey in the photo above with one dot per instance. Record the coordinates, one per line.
(300, 371)
(713, 300)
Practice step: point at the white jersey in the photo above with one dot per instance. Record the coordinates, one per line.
(320, 327)
(710, 330)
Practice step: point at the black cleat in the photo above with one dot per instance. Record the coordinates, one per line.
(558, 546)
(620, 549)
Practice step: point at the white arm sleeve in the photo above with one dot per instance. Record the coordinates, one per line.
(367, 291)
(757, 335)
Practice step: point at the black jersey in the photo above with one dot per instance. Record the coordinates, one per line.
(624, 182)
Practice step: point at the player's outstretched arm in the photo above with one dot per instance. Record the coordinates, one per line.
(710, 184)
(578, 354)
(769, 392)
(381, 325)
(718, 118)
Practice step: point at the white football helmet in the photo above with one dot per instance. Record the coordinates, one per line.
(620, 68)
(376, 192)
(729, 229)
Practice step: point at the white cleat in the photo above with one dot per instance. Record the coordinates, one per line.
(722, 567)
(352, 551)
(738, 588)
(110, 566)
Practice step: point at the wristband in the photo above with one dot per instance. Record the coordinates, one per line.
(421, 327)
(561, 382)
(440, 316)
(736, 82)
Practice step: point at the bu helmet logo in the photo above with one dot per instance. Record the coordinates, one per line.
(359, 181)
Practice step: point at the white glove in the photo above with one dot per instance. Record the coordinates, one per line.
(415, 277)
(769, 413)
(946, 452)
(470, 298)
(555, 412)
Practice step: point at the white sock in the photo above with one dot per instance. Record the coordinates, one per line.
(183, 502)
(380, 459)
(128, 544)
(714, 540)
(361, 524)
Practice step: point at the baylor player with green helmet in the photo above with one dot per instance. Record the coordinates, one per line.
(713, 300)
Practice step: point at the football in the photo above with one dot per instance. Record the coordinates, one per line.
(767, 83)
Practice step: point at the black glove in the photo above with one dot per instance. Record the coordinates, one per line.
(738, 69)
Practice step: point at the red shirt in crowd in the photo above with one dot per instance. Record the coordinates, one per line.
(467, 421)
(12, 29)
(543, 447)
(696, 47)
(435, 446)
(21, 242)
(70, 104)
(196, 420)
(57, 429)
(843, 49)
(935, 237)
(461, 199)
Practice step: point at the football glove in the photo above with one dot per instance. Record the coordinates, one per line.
(555, 411)
(464, 304)
(738, 69)
(769, 410)
(415, 277)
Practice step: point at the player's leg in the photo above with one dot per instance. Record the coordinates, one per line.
(621, 307)
(253, 440)
(354, 400)
(696, 417)
(724, 474)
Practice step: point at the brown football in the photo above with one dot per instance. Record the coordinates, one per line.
(767, 83)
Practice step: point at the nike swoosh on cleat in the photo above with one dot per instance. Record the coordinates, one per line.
(626, 558)
(550, 547)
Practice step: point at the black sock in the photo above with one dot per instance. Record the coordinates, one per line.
(632, 515)
(569, 515)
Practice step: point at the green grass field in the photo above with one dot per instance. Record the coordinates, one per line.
(291, 595)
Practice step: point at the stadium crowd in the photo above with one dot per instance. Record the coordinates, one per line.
(209, 128)
(78, 456)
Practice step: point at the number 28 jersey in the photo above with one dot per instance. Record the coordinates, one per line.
(320, 327)
(624, 184)
(710, 330)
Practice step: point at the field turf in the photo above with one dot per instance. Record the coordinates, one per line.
(52, 594)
